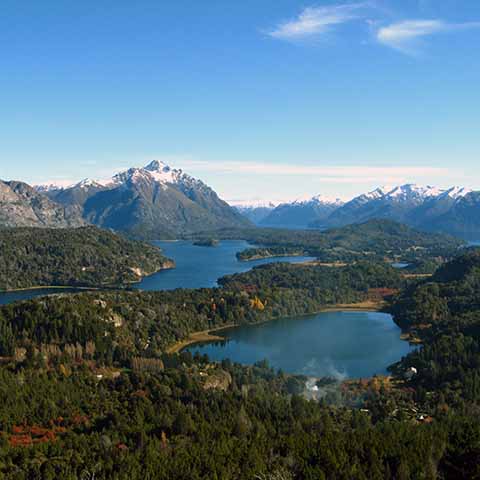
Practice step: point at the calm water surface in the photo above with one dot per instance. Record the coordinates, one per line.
(196, 267)
(339, 344)
(11, 297)
(201, 267)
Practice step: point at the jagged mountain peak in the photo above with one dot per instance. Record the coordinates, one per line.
(88, 183)
(162, 172)
(154, 201)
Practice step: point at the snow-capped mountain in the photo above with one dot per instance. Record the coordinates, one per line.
(415, 205)
(318, 200)
(254, 210)
(154, 201)
(302, 212)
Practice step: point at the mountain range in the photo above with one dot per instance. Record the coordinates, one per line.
(302, 212)
(22, 206)
(256, 212)
(455, 210)
(155, 201)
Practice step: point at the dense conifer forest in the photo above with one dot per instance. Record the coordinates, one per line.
(88, 391)
(372, 240)
(88, 256)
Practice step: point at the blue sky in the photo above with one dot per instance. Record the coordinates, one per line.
(269, 99)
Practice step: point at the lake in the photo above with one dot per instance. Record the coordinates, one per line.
(201, 267)
(196, 267)
(350, 344)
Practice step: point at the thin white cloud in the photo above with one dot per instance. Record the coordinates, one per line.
(404, 36)
(333, 174)
(318, 20)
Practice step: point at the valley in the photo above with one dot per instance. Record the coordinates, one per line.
(239, 240)
(320, 337)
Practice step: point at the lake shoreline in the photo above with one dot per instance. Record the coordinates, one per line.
(208, 336)
(169, 265)
(51, 287)
(264, 257)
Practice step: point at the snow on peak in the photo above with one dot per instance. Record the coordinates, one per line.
(88, 183)
(378, 192)
(162, 172)
(318, 200)
(325, 199)
(456, 192)
(253, 203)
(412, 191)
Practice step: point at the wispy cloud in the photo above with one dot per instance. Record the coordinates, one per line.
(332, 174)
(318, 20)
(405, 36)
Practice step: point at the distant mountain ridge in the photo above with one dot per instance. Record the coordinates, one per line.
(427, 208)
(302, 212)
(455, 210)
(255, 211)
(155, 201)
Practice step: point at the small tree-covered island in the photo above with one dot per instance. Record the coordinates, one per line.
(90, 386)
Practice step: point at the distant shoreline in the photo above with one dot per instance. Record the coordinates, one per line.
(51, 287)
(280, 255)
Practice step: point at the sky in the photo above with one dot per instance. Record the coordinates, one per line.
(261, 99)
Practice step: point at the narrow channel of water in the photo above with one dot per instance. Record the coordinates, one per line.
(196, 267)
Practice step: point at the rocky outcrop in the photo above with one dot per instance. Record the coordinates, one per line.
(23, 206)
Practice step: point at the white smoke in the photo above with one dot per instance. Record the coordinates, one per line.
(323, 368)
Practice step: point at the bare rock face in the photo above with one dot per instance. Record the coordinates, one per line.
(218, 380)
(22, 206)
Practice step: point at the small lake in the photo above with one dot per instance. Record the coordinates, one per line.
(196, 267)
(349, 344)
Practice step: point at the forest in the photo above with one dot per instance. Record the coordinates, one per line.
(122, 324)
(88, 392)
(87, 256)
(375, 240)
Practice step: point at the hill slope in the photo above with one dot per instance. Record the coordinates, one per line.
(23, 206)
(87, 256)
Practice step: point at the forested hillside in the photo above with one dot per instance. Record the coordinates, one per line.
(87, 390)
(31, 257)
(373, 240)
(444, 313)
(135, 412)
(123, 324)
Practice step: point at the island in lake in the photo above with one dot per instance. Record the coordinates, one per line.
(208, 242)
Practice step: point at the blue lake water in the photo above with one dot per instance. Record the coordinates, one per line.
(201, 267)
(339, 344)
(10, 297)
(196, 267)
